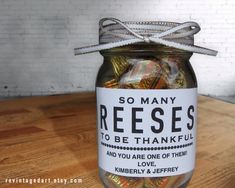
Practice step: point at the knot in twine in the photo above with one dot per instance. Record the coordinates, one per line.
(118, 33)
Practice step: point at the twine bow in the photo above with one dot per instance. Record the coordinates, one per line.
(168, 37)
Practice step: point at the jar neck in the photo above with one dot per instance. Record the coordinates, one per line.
(143, 50)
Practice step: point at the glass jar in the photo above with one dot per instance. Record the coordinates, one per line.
(146, 95)
(137, 69)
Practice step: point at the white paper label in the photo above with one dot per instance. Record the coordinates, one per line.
(147, 133)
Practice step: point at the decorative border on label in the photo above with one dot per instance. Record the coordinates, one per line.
(146, 148)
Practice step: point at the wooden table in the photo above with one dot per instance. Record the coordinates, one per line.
(55, 137)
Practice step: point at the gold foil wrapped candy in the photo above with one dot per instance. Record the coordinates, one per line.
(161, 83)
(172, 74)
(163, 182)
(146, 74)
(115, 181)
(120, 65)
(179, 81)
(155, 182)
(111, 84)
(142, 75)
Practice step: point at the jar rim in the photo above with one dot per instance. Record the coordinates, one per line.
(143, 49)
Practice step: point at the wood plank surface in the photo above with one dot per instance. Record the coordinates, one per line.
(55, 137)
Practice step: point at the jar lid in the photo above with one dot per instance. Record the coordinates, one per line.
(171, 34)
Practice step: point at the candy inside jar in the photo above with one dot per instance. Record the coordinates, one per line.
(115, 181)
(154, 73)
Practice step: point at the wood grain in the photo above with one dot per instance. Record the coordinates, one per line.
(55, 137)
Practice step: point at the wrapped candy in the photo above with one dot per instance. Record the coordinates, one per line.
(143, 75)
(179, 81)
(120, 65)
(111, 84)
(115, 181)
(156, 182)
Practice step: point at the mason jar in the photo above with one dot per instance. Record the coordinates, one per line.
(146, 103)
(136, 69)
